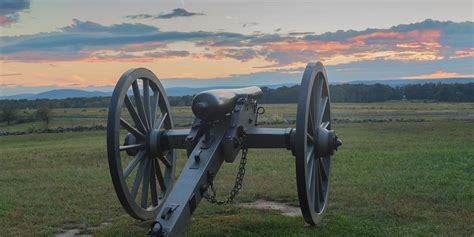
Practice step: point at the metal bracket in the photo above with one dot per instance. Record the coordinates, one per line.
(167, 211)
(197, 160)
(207, 140)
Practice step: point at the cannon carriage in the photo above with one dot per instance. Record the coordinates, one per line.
(142, 139)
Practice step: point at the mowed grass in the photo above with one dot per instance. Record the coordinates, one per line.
(393, 178)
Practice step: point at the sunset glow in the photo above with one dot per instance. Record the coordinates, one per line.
(83, 53)
(440, 74)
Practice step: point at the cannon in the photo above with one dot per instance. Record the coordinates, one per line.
(142, 143)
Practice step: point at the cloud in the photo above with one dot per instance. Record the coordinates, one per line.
(393, 69)
(439, 74)
(9, 10)
(84, 27)
(453, 34)
(13, 6)
(139, 16)
(84, 37)
(249, 24)
(178, 12)
(243, 54)
(424, 41)
(301, 33)
(168, 54)
(9, 74)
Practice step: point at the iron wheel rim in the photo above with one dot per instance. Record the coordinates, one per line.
(141, 161)
(312, 171)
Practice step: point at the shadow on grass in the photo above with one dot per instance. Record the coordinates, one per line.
(235, 221)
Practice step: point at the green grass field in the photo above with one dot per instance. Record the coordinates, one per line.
(390, 178)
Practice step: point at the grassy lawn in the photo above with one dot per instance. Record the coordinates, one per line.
(391, 178)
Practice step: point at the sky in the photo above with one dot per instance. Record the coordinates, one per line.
(88, 44)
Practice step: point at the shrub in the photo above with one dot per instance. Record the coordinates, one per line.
(44, 113)
(9, 114)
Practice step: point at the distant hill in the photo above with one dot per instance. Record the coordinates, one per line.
(69, 93)
(58, 94)
(351, 93)
(182, 91)
(17, 97)
(401, 82)
(73, 93)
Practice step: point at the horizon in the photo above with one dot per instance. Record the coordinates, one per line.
(185, 42)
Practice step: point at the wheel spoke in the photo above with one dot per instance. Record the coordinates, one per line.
(320, 183)
(138, 179)
(325, 124)
(309, 157)
(324, 173)
(316, 193)
(131, 129)
(133, 113)
(154, 193)
(312, 181)
(165, 161)
(311, 121)
(319, 87)
(321, 110)
(310, 166)
(138, 157)
(139, 104)
(132, 146)
(154, 104)
(146, 101)
(145, 186)
(159, 122)
(159, 176)
(310, 138)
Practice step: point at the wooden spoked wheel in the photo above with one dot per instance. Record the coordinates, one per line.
(314, 143)
(142, 177)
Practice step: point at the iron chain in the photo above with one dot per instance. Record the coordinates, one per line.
(211, 198)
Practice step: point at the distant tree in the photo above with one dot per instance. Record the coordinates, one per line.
(9, 113)
(339, 93)
(44, 113)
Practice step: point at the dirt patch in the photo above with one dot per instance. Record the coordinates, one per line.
(77, 232)
(284, 208)
(72, 233)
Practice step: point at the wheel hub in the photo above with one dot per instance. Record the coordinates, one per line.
(152, 143)
(130, 140)
(327, 142)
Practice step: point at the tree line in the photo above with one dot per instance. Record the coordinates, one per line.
(362, 93)
(339, 93)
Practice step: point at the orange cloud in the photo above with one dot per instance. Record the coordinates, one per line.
(119, 60)
(4, 21)
(440, 74)
(313, 45)
(464, 54)
(416, 45)
(414, 35)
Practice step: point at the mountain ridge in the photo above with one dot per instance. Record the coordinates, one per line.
(182, 91)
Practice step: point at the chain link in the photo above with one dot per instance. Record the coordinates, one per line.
(211, 198)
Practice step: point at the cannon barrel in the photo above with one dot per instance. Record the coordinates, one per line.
(215, 104)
